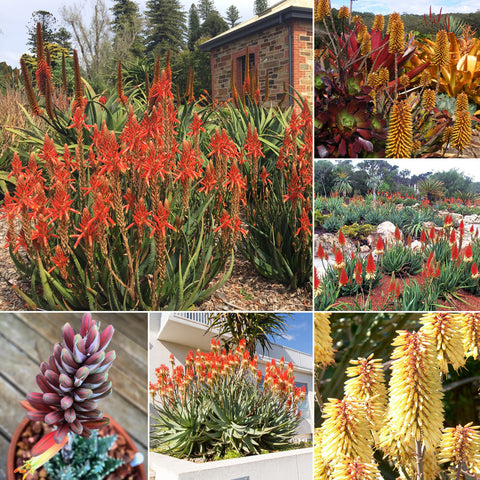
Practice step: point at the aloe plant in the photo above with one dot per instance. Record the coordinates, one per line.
(216, 405)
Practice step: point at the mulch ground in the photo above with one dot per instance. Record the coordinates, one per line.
(465, 302)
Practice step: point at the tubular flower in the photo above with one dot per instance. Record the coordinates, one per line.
(383, 76)
(468, 255)
(415, 390)
(348, 469)
(343, 280)
(429, 99)
(425, 78)
(323, 343)
(341, 238)
(322, 9)
(444, 332)
(379, 248)
(379, 23)
(339, 262)
(321, 467)
(442, 49)
(461, 445)
(370, 268)
(396, 42)
(42, 455)
(400, 133)
(358, 273)
(475, 273)
(462, 131)
(345, 431)
(343, 12)
(461, 105)
(367, 384)
(470, 333)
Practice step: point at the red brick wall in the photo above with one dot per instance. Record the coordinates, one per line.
(271, 53)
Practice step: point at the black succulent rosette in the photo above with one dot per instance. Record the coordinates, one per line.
(71, 382)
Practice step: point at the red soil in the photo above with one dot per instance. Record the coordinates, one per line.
(465, 302)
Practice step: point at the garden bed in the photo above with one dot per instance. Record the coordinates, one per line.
(290, 465)
(245, 289)
(465, 301)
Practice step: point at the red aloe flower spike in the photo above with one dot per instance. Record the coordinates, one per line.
(358, 273)
(370, 267)
(468, 255)
(453, 238)
(321, 253)
(475, 273)
(423, 237)
(454, 251)
(341, 238)
(304, 224)
(461, 227)
(160, 219)
(432, 233)
(264, 176)
(379, 249)
(398, 235)
(343, 280)
(339, 263)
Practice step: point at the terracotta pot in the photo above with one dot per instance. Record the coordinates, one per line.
(139, 469)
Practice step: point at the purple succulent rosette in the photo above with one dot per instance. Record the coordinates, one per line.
(72, 381)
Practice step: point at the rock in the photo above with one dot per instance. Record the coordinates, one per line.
(387, 231)
(416, 245)
(327, 240)
(471, 219)
(364, 249)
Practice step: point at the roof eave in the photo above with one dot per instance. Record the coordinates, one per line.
(291, 13)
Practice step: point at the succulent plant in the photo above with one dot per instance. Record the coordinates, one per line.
(72, 381)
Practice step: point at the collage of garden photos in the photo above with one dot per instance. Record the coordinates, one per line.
(240, 242)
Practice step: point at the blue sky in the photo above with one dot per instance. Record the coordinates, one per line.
(299, 332)
(16, 15)
(386, 7)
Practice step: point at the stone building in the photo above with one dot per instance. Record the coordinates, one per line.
(279, 40)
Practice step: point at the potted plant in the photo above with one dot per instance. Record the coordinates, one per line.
(76, 437)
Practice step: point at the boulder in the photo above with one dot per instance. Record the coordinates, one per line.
(416, 245)
(327, 240)
(387, 231)
(471, 219)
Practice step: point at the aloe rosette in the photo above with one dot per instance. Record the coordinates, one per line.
(73, 379)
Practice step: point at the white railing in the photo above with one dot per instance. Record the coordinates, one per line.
(197, 317)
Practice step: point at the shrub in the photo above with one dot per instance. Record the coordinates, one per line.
(216, 405)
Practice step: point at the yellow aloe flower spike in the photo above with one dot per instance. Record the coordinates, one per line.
(470, 323)
(444, 332)
(345, 431)
(415, 390)
(461, 445)
(400, 132)
(323, 349)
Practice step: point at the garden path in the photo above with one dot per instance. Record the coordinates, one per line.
(27, 339)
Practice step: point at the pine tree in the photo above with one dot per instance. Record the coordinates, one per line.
(126, 25)
(205, 8)
(232, 15)
(50, 32)
(166, 26)
(194, 30)
(213, 25)
(259, 6)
